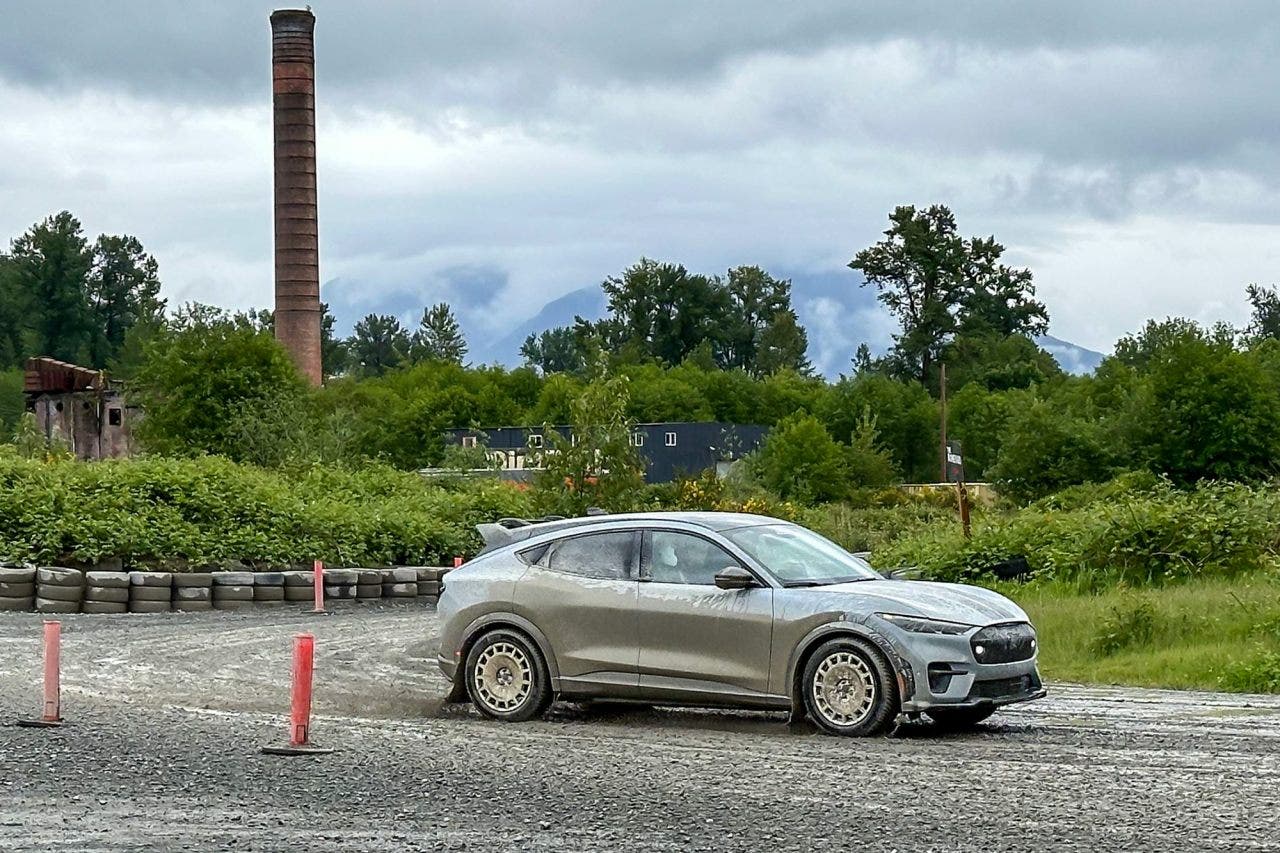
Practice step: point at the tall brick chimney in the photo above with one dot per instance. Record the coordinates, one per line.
(297, 237)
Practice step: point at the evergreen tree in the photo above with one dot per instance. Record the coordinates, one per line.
(439, 337)
(51, 262)
(379, 344)
(123, 290)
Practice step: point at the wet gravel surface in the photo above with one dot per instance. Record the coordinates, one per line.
(165, 715)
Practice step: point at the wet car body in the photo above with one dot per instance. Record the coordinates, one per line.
(668, 638)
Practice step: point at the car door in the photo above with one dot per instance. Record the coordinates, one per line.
(580, 591)
(698, 641)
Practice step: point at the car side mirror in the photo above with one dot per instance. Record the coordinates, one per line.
(735, 577)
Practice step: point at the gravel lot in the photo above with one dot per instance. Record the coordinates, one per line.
(166, 713)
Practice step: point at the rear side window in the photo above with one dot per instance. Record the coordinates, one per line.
(598, 555)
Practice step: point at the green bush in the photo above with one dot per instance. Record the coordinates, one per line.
(205, 510)
(1098, 536)
(1129, 624)
(1257, 674)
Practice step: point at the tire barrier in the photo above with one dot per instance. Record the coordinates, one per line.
(429, 585)
(193, 592)
(340, 585)
(150, 592)
(58, 590)
(368, 584)
(400, 583)
(299, 586)
(268, 587)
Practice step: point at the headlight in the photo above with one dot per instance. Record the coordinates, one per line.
(920, 625)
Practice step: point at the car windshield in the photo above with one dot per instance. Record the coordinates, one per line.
(800, 557)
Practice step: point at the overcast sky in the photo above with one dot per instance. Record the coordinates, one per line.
(501, 154)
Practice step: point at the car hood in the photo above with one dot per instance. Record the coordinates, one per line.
(951, 602)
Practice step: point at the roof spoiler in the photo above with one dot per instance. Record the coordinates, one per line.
(495, 535)
(503, 531)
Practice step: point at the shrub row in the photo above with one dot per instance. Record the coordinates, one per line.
(1135, 530)
(207, 510)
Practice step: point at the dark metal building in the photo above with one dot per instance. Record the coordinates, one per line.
(669, 449)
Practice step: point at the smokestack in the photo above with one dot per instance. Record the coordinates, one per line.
(297, 237)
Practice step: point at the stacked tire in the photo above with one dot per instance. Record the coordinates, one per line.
(429, 583)
(268, 588)
(368, 585)
(233, 590)
(341, 584)
(106, 592)
(193, 592)
(150, 592)
(17, 588)
(59, 590)
(299, 586)
(400, 584)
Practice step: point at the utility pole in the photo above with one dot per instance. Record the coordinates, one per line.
(962, 494)
(943, 387)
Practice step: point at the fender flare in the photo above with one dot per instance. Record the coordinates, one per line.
(848, 627)
(507, 619)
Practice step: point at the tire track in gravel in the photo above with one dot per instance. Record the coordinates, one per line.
(168, 712)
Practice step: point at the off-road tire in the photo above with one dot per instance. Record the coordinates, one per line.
(513, 652)
(868, 706)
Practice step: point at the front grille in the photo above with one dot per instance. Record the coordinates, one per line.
(1004, 643)
(1001, 688)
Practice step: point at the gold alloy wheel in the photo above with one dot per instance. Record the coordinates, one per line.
(503, 677)
(844, 689)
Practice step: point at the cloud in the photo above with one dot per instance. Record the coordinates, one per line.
(498, 155)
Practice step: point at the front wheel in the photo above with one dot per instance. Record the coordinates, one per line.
(506, 677)
(959, 719)
(849, 688)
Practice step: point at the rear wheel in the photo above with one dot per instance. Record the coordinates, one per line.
(849, 689)
(506, 677)
(959, 719)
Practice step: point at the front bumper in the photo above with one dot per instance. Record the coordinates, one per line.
(946, 674)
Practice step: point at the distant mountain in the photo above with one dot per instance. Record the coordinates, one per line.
(588, 302)
(836, 312)
(1072, 358)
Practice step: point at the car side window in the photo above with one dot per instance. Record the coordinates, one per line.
(685, 558)
(598, 555)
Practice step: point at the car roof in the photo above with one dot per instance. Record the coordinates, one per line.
(496, 536)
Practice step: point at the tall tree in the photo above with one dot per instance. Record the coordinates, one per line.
(123, 290)
(781, 346)
(757, 300)
(915, 270)
(1265, 320)
(439, 337)
(14, 313)
(663, 311)
(939, 285)
(335, 354)
(379, 344)
(200, 373)
(50, 264)
(556, 350)
(995, 297)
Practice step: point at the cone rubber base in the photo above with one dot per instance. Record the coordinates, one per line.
(38, 724)
(296, 750)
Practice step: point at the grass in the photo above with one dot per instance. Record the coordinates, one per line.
(1205, 634)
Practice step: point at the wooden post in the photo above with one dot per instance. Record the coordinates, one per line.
(943, 389)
